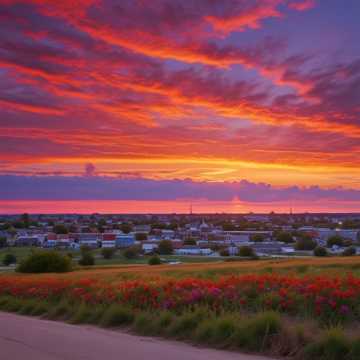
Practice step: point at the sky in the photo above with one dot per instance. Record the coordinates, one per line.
(149, 106)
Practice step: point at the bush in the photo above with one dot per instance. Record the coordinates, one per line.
(185, 324)
(131, 252)
(335, 240)
(87, 259)
(165, 247)
(224, 252)
(320, 251)
(305, 243)
(162, 322)
(117, 315)
(9, 259)
(82, 314)
(350, 251)
(154, 260)
(256, 333)
(205, 331)
(108, 253)
(144, 324)
(141, 236)
(355, 350)
(45, 262)
(224, 328)
(257, 238)
(246, 251)
(332, 346)
(284, 237)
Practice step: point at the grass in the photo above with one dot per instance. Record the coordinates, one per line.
(266, 332)
(258, 332)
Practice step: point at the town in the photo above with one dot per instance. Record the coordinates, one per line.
(215, 235)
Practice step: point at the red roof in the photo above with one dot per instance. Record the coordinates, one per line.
(109, 236)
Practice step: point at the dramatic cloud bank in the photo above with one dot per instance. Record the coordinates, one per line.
(110, 188)
(213, 91)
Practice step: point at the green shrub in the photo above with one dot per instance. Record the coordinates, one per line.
(154, 260)
(117, 315)
(45, 262)
(64, 308)
(42, 307)
(205, 331)
(246, 251)
(224, 252)
(320, 251)
(256, 333)
(9, 259)
(186, 323)
(82, 314)
(13, 305)
(332, 346)
(355, 350)
(108, 253)
(350, 251)
(28, 307)
(162, 323)
(4, 302)
(335, 240)
(87, 259)
(165, 247)
(224, 328)
(144, 324)
(131, 252)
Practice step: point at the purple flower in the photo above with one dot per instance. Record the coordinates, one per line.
(344, 309)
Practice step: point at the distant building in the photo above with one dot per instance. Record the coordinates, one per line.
(125, 240)
(27, 241)
(192, 250)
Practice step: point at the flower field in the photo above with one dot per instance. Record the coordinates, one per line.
(331, 299)
(284, 315)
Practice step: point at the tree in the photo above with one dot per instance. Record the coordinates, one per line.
(9, 259)
(126, 228)
(320, 251)
(165, 247)
(45, 262)
(25, 219)
(87, 259)
(246, 251)
(60, 229)
(285, 237)
(3, 242)
(108, 253)
(350, 251)
(154, 260)
(335, 240)
(141, 236)
(224, 252)
(190, 241)
(257, 238)
(305, 242)
(131, 252)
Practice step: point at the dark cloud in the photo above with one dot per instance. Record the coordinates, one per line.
(13, 187)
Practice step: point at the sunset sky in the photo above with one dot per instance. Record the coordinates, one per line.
(148, 106)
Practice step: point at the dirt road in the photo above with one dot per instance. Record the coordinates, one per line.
(25, 338)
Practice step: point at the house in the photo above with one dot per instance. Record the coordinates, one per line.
(149, 246)
(108, 240)
(89, 239)
(125, 240)
(192, 250)
(27, 241)
(269, 247)
(144, 228)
